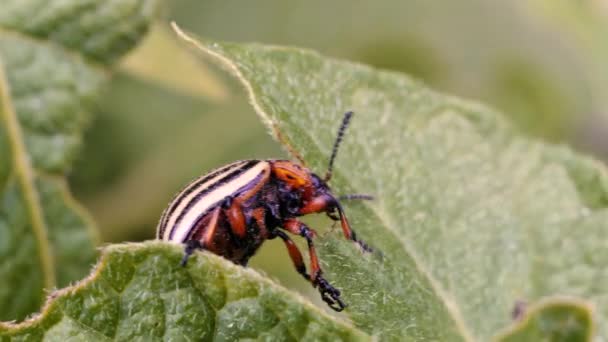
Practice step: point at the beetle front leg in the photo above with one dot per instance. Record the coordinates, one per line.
(329, 294)
(327, 204)
(349, 233)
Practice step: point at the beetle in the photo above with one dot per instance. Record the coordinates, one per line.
(232, 210)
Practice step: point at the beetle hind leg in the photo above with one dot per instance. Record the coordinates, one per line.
(191, 246)
(194, 244)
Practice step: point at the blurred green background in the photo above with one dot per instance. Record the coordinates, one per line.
(167, 117)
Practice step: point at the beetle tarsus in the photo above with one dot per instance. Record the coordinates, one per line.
(329, 294)
(333, 216)
(364, 246)
(191, 246)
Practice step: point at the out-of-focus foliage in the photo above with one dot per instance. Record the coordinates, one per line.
(159, 59)
(54, 58)
(517, 55)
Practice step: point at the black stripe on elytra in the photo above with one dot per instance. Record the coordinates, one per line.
(177, 199)
(231, 176)
(212, 207)
(195, 184)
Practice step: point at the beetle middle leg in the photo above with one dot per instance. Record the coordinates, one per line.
(294, 254)
(234, 206)
(329, 294)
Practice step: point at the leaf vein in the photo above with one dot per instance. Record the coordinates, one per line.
(25, 176)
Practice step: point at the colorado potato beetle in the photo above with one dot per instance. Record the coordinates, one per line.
(233, 209)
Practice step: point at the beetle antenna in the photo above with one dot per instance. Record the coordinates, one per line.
(334, 151)
(348, 197)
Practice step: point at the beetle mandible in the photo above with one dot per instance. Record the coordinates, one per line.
(232, 210)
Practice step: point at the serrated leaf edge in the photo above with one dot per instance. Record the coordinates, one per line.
(130, 246)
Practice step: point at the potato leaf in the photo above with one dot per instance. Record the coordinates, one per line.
(471, 217)
(138, 292)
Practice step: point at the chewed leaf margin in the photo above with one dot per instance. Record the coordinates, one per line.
(559, 318)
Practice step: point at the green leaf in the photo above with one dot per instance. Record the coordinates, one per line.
(553, 320)
(139, 292)
(54, 57)
(471, 217)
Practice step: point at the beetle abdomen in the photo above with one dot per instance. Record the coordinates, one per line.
(204, 194)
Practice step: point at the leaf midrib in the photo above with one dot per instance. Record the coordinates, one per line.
(25, 177)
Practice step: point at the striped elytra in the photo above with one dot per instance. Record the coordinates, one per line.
(204, 194)
(232, 210)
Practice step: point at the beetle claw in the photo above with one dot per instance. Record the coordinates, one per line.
(332, 216)
(190, 247)
(329, 294)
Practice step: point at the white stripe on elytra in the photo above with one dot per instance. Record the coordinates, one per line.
(185, 199)
(185, 225)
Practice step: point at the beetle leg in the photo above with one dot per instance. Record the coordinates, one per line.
(259, 215)
(234, 213)
(326, 203)
(317, 205)
(296, 227)
(294, 254)
(349, 233)
(235, 216)
(194, 244)
(329, 294)
(191, 246)
(332, 215)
